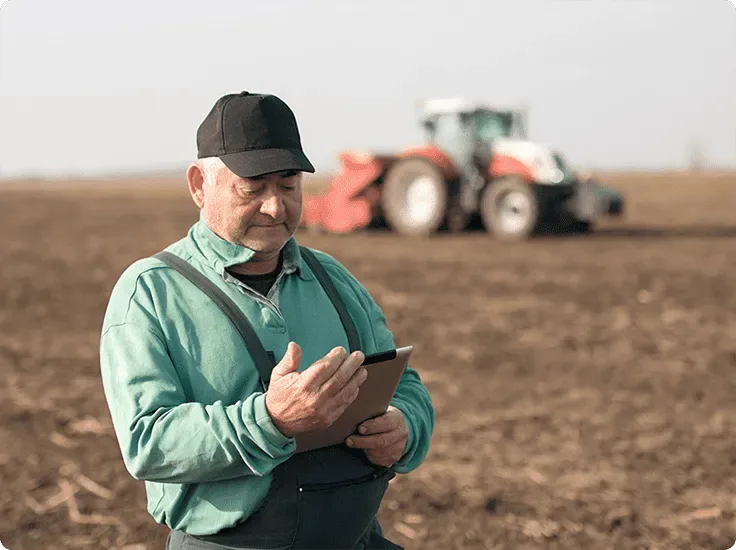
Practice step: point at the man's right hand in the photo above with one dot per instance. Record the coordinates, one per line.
(300, 402)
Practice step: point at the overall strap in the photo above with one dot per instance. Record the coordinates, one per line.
(264, 362)
(329, 287)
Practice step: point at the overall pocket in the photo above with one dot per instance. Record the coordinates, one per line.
(338, 514)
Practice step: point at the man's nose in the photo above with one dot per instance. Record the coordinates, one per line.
(273, 206)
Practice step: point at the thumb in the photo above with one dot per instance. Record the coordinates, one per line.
(289, 362)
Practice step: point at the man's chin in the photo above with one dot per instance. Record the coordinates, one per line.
(273, 241)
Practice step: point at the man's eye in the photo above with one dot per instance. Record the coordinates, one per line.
(249, 191)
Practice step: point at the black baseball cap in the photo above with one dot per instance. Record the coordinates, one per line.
(253, 134)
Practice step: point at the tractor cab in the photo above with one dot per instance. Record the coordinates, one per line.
(447, 121)
(466, 130)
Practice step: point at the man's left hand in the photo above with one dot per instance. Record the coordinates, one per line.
(383, 438)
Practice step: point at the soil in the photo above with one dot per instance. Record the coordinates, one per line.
(584, 385)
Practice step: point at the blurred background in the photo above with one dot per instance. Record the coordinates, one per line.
(583, 379)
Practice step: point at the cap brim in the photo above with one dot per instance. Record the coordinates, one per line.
(249, 164)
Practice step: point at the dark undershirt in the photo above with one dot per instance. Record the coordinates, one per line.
(260, 283)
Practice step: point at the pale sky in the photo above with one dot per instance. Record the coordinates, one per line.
(89, 86)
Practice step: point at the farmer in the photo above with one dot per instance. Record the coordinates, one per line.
(207, 417)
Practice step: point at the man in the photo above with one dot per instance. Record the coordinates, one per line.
(213, 437)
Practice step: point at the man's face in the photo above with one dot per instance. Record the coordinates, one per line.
(260, 213)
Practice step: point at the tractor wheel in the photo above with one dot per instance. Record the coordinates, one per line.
(414, 198)
(510, 209)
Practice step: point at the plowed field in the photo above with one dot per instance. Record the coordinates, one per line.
(585, 386)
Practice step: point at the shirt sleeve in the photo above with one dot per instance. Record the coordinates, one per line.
(163, 437)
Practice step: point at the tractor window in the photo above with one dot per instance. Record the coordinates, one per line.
(492, 125)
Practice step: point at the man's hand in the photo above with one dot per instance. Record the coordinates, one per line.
(313, 399)
(384, 438)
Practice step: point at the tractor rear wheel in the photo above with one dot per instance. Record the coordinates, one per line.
(510, 209)
(414, 198)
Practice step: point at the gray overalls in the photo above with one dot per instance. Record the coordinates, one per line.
(326, 498)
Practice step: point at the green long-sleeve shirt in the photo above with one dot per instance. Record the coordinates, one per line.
(185, 397)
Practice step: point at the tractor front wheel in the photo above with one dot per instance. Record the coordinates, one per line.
(510, 209)
(414, 198)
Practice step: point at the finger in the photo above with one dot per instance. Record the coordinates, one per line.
(376, 441)
(344, 374)
(321, 371)
(339, 404)
(349, 391)
(387, 422)
(289, 362)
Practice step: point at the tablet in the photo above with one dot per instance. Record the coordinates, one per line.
(384, 374)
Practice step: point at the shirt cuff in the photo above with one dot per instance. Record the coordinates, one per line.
(270, 431)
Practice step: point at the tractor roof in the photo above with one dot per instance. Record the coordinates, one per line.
(440, 106)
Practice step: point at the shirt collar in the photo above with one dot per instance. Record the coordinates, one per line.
(221, 254)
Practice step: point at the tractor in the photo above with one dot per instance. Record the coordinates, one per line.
(477, 168)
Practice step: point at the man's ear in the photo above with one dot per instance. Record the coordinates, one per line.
(195, 178)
